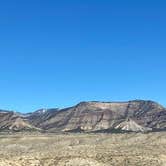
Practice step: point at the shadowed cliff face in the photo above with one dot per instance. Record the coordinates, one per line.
(137, 115)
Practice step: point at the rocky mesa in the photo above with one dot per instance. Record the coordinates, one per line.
(94, 116)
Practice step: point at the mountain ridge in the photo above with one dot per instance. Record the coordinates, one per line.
(90, 116)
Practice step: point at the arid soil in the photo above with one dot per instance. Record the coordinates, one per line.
(134, 149)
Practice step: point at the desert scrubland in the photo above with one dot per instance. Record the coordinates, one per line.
(132, 149)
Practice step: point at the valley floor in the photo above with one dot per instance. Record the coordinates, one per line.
(134, 149)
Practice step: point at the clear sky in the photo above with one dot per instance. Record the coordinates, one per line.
(57, 53)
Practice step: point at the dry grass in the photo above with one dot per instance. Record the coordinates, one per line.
(83, 149)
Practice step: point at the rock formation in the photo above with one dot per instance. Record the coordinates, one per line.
(136, 116)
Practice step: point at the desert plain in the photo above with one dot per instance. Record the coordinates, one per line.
(127, 149)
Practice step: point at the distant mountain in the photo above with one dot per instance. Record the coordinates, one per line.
(131, 116)
(38, 117)
(11, 121)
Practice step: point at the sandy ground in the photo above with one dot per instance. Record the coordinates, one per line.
(83, 149)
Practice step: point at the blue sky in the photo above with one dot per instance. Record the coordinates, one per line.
(57, 53)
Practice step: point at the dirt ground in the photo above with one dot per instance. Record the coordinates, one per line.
(134, 149)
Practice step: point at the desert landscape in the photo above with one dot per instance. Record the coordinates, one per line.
(94, 133)
(82, 83)
(127, 149)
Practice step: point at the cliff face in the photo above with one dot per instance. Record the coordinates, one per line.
(137, 115)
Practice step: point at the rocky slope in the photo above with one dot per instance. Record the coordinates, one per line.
(40, 116)
(136, 115)
(12, 121)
